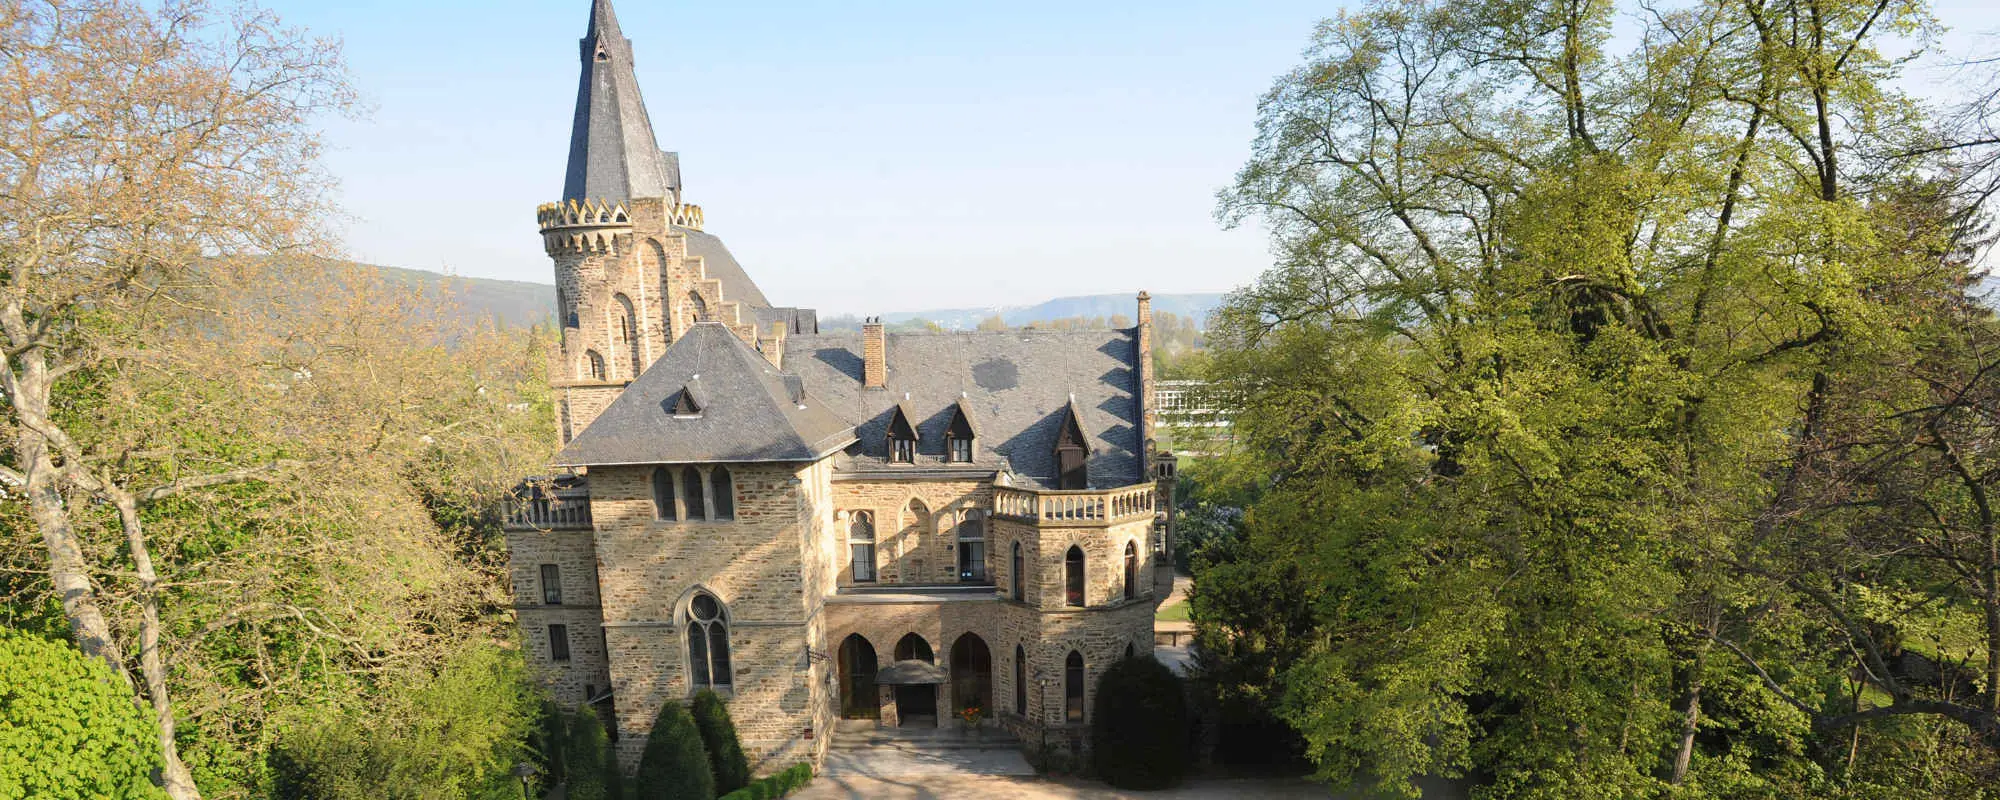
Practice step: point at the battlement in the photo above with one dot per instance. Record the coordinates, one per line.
(602, 214)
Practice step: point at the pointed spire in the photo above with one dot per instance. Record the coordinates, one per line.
(613, 154)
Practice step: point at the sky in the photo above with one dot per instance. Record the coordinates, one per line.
(857, 157)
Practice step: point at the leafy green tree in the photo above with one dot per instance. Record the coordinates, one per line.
(1573, 383)
(456, 733)
(675, 764)
(1139, 730)
(718, 735)
(590, 768)
(68, 728)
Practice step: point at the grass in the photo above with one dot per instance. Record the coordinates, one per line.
(1177, 612)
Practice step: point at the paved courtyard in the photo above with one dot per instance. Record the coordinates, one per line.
(1028, 787)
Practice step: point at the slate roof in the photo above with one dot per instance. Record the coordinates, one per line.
(1015, 384)
(613, 154)
(719, 264)
(748, 412)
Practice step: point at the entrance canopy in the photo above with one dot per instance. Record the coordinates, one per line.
(911, 672)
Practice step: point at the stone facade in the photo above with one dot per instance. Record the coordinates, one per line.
(764, 602)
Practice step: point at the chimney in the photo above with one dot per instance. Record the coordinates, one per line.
(874, 356)
(1149, 412)
(774, 347)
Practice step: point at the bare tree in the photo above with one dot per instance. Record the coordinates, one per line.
(138, 147)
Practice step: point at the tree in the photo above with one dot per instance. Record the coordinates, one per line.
(718, 736)
(455, 733)
(675, 765)
(68, 729)
(1565, 381)
(138, 144)
(589, 765)
(993, 324)
(1138, 739)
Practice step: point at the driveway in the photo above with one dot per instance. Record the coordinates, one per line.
(1028, 787)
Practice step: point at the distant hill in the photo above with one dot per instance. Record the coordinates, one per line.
(512, 304)
(523, 304)
(1193, 306)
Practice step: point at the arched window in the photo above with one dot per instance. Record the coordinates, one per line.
(594, 363)
(912, 646)
(628, 330)
(725, 493)
(861, 546)
(1020, 681)
(1073, 688)
(972, 548)
(1131, 569)
(1129, 650)
(663, 494)
(658, 267)
(1015, 575)
(708, 644)
(691, 493)
(1073, 577)
(697, 306)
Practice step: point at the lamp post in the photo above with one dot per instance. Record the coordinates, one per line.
(524, 771)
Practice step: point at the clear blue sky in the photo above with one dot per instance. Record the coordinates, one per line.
(857, 158)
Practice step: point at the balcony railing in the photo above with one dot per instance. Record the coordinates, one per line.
(561, 504)
(1078, 507)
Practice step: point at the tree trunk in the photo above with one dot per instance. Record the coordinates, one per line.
(175, 778)
(28, 384)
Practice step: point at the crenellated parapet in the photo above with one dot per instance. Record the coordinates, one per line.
(592, 226)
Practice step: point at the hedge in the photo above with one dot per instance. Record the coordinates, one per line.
(1139, 731)
(718, 734)
(775, 786)
(674, 765)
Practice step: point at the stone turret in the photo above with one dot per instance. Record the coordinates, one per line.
(633, 268)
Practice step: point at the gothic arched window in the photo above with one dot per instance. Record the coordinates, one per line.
(691, 493)
(628, 330)
(1073, 688)
(663, 494)
(594, 363)
(724, 491)
(861, 546)
(697, 306)
(1131, 569)
(708, 644)
(1019, 581)
(1073, 577)
(1020, 681)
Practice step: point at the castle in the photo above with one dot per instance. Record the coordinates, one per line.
(874, 526)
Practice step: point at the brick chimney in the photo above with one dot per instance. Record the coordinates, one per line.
(774, 347)
(874, 355)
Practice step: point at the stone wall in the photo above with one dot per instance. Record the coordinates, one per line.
(752, 565)
(572, 552)
(912, 545)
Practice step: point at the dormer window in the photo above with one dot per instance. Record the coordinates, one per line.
(685, 403)
(1072, 450)
(902, 437)
(959, 435)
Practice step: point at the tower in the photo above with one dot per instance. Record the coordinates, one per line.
(633, 267)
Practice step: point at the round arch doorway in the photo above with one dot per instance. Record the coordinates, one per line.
(858, 696)
(971, 675)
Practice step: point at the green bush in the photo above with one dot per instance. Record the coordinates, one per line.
(675, 764)
(718, 734)
(1139, 725)
(775, 786)
(454, 733)
(68, 728)
(588, 764)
